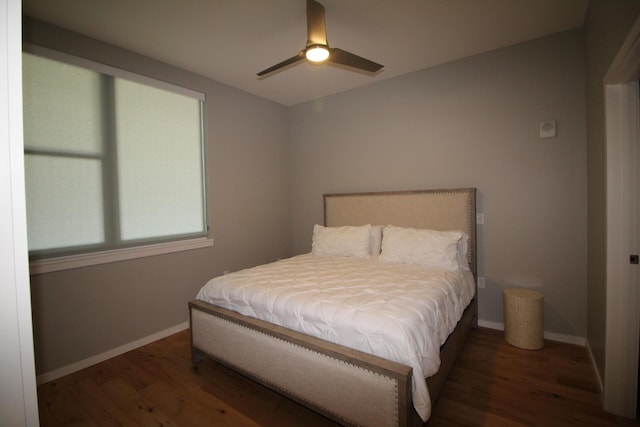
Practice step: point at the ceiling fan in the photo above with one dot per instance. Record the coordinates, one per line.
(318, 51)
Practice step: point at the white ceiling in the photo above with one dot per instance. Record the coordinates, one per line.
(231, 40)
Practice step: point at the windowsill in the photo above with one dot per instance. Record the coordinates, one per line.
(85, 260)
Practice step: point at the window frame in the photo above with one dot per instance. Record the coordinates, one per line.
(45, 261)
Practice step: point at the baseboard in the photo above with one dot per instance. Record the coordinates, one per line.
(595, 370)
(491, 325)
(93, 360)
(552, 336)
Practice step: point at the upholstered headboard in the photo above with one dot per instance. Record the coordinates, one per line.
(445, 210)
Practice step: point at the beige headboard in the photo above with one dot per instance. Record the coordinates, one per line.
(453, 209)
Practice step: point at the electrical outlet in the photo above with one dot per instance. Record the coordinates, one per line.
(479, 218)
(481, 284)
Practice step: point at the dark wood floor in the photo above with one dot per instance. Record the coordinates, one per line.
(492, 384)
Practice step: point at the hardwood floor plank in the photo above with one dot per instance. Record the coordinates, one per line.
(126, 398)
(455, 413)
(553, 386)
(491, 384)
(101, 409)
(58, 406)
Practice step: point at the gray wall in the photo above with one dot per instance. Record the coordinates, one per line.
(86, 311)
(606, 26)
(473, 122)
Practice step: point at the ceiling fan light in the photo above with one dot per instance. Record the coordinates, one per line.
(317, 53)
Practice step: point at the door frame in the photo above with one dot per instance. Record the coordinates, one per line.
(622, 112)
(18, 393)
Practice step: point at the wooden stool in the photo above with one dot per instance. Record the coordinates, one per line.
(524, 318)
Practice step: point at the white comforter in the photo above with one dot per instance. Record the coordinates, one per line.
(399, 312)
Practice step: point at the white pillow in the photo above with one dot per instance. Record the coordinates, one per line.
(463, 246)
(348, 241)
(424, 247)
(376, 239)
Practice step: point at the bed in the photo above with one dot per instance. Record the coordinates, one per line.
(350, 383)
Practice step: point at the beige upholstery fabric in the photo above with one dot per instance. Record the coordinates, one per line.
(348, 392)
(433, 209)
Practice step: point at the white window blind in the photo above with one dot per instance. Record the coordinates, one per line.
(110, 161)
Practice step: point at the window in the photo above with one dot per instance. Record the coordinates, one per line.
(112, 159)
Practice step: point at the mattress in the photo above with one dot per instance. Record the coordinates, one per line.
(399, 312)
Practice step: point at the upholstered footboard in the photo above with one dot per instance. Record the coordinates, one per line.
(349, 386)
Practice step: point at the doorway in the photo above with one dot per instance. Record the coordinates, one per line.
(622, 106)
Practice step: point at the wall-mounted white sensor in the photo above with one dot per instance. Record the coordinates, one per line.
(548, 129)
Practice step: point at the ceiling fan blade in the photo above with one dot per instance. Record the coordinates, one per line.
(299, 57)
(316, 30)
(342, 57)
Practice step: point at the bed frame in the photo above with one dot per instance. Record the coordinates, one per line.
(346, 385)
